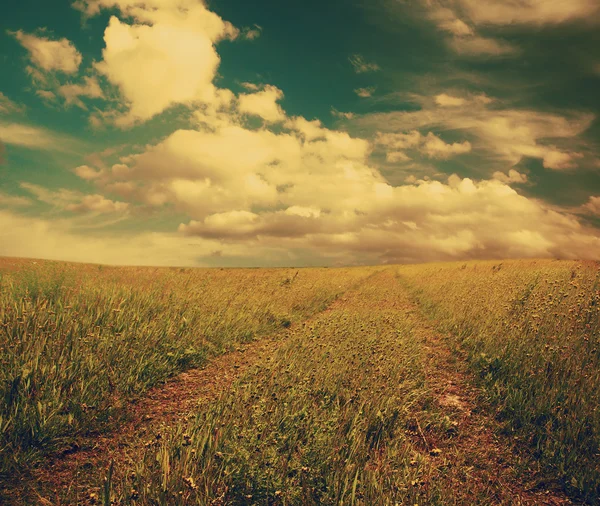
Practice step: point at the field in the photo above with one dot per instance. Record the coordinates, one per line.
(465, 383)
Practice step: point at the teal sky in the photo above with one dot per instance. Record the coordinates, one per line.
(269, 133)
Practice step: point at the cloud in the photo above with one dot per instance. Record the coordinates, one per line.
(445, 100)
(28, 136)
(308, 188)
(73, 201)
(60, 239)
(252, 33)
(559, 160)
(592, 206)
(50, 55)
(430, 145)
(530, 12)
(427, 220)
(46, 95)
(476, 45)
(507, 135)
(513, 176)
(171, 44)
(8, 200)
(263, 103)
(251, 86)
(97, 204)
(7, 106)
(463, 37)
(340, 114)
(87, 173)
(365, 92)
(72, 92)
(361, 66)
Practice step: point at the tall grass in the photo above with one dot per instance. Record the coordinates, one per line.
(324, 422)
(77, 342)
(531, 330)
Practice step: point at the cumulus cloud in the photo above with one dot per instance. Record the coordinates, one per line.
(172, 44)
(509, 134)
(362, 66)
(513, 176)
(263, 104)
(592, 206)
(50, 55)
(429, 145)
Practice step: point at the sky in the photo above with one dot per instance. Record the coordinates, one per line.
(269, 133)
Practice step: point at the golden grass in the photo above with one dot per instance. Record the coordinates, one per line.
(78, 341)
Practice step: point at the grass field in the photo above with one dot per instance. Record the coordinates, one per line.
(352, 406)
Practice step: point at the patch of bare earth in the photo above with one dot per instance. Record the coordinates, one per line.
(68, 477)
(466, 449)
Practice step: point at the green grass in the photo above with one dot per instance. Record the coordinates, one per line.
(531, 330)
(77, 342)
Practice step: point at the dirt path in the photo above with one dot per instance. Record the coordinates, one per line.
(76, 471)
(468, 452)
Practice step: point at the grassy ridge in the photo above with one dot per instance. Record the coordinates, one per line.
(78, 341)
(532, 333)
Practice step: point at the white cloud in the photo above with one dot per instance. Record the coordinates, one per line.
(7, 106)
(87, 173)
(263, 103)
(445, 100)
(365, 92)
(559, 160)
(90, 89)
(69, 200)
(463, 38)
(476, 45)
(97, 204)
(396, 156)
(62, 240)
(509, 134)
(434, 147)
(430, 145)
(513, 176)
(50, 55)
(340, 114)
(592, 206)
(362, 66)
(534, 12)
(252, 33)
(34, 137)
(46, 94)
(171, 44)
(8, 200)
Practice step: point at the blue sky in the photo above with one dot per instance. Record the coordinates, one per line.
(267, 133)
